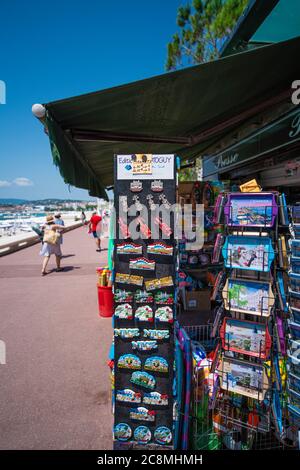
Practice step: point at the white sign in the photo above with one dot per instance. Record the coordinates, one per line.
(162, 168)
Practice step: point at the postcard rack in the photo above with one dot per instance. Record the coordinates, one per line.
(246, 382)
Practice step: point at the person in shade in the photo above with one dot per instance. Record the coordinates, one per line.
(95, 228)
(51, 245)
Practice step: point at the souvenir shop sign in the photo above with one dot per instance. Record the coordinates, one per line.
(161, 168)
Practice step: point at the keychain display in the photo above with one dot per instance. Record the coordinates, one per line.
(163, 226)
(128, 396)
(124, 312)
(144, 229)
(123, 229)
(164, 315)
(142, 435)
(144, 345)
(144, 313)
(151, 203)
(143, 379)
(129, 361)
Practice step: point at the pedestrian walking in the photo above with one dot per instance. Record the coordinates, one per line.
(95, 228)
(52, 243)
(83, 217)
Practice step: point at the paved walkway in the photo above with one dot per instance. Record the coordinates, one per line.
(55, 387)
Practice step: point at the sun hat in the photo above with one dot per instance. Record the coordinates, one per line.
(49, 218)
(57, 215)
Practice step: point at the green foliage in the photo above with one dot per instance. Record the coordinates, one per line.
(203, 28)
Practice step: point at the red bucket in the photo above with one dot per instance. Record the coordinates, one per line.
(105, 301)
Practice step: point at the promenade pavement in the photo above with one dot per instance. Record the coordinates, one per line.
(55, 386)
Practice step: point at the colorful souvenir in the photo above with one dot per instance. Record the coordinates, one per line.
(129, 361)
(122, 432)
(128, 248)
(164, 315)
(159, 283)
(143, 379)
(162, 198)
(156, 364)
(124, 312)
(217, 248)
(251, 297)
(165, 229)
(248, 252)
(129, 279)
(142, 435)
(157, 334)
(127, 333)
(136, 202)
(142, 414)
(128, 396)
(157, 186)
(144, 229)
(144, 345)
(218, 209)
(163, 435)
(124, 232)
(144, 313)
(160, 248)
(141, 164)
(152, 205)
(142, 296)
(136, 186)
(142, 264)
(161, 297)
(123, 203)
(250, 209)
(244, 378)
(245, 337)
(121, 295)
(155, 398)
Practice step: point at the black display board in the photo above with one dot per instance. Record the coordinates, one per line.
(149, 433)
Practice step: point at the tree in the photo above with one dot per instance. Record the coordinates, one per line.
(203, 28)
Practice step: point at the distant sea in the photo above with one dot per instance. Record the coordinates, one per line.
(16, 216)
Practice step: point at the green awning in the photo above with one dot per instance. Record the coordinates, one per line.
(182, 112)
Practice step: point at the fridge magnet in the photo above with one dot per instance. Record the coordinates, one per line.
(142, 435)
(144, 313)
(122, 432)
(142, 296)
(244, 378)
(144, 345)
(142, 414)
(165, 229)
(251, 297)
(141, 164)
(144, 229)
(142, 264)
(157, 186)
(250, 209)
(129, 249)
(161, 297)
(160, 248)
(163, 435)
(164, 314)
(128, 396)
(129, 279)
(123, 229)
(124, 312)
(136, 186)
(129, 361)
(151, 203)
(245, 337)
(127, 333)
(159, 283)
(143, 379)
(248, 252)
(156, 334)
(121, 295)
(156, 364)
(156, 398)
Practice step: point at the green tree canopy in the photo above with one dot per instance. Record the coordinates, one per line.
(203, 25)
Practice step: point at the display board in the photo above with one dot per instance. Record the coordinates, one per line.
(144, 300)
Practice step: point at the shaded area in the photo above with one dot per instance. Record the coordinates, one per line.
(55, 387)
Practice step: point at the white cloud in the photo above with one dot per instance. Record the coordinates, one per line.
(4, 184)
(21, 181)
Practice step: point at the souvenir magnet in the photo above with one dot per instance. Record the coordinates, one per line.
(144, 313)
(155, 398)
(129, 361)
(164, 314)
(129, 279)
(128, 248)
(127, 333)
(142, 264)
(143, 379)
(122, 432)
(156, 334)
(142, 296)
(142, 414)
(121, 295)
(157, 186)
(161, 297)
(136, 186)
(142, 435)
(156, 364)
(144, 345)
(160, 248)
(159, 283)
(124, 312)
(128, 396)
(163, 435)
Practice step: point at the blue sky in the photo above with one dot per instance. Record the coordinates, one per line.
(52, 50)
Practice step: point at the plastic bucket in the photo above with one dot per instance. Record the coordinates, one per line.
(105, 301)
